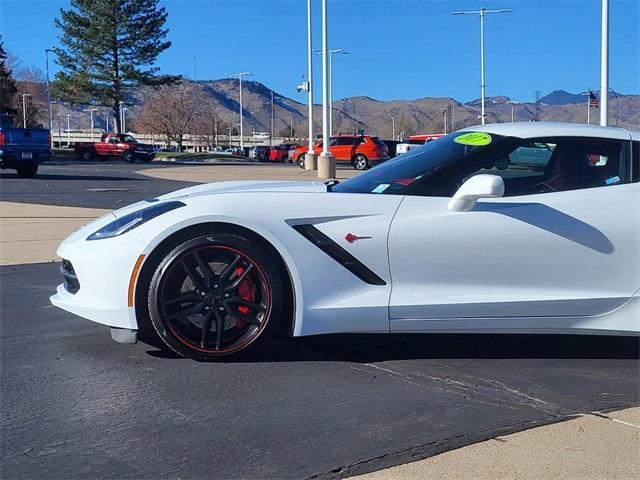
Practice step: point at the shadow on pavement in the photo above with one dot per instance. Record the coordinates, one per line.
(368, 348)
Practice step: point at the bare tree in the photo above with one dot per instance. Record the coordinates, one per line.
(208, 126)
(32, 87)
(171, 111)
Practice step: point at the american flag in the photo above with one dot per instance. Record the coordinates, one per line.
(593, 100)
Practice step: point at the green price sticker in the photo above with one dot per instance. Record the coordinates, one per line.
(476, 139)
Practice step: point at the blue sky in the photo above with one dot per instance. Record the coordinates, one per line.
(398, 49)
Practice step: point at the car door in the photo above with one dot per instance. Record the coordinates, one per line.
(341, 148)
(540, 252)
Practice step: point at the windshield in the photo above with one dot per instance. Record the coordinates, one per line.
(412, 171)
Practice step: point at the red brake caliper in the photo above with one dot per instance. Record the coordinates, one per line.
(246, 291)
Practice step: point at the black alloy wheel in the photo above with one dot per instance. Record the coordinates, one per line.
(86, 155)
(301, 160)
(360, 162)
(215, 295)
(127, 155)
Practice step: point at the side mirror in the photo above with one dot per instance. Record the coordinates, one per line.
(478, 186)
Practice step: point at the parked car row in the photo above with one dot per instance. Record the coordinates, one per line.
(278, 153)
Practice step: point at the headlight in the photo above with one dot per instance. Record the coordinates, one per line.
(134, 220)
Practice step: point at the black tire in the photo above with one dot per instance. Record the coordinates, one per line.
(502, 163)
(86, 155)
(241, 290)
(300, 161)
(128, 156)
(147, 158)
(27, 171)
(360, 162)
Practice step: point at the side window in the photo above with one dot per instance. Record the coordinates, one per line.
(533, 166)
(113, 139)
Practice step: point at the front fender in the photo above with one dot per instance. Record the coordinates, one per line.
(165, 229)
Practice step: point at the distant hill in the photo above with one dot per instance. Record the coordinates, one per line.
(560, 97)
(422, 115)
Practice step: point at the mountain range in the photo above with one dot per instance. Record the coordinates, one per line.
(379, 117)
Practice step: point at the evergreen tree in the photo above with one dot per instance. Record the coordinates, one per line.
(109, 46)
(8, 86)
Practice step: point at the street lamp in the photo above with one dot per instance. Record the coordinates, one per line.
(512, 102)
(46, 54)
(481, 13)
(327, 162)
(124, 119)
(341, 51)
(240, 75)
(393, 125)
(24, 109)
(91, 110)
(68, 115)
(604, 65)
(310, 158)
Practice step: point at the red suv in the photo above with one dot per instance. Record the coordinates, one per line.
(359, 150)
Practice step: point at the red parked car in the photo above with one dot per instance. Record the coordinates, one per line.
(361, 151)
(279, 153)
(115, 145)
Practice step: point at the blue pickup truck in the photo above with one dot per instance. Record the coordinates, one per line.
(23, 149)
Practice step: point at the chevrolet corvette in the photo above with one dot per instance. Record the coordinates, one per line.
(503, 228)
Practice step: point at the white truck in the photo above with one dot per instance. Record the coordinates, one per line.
(415, 141)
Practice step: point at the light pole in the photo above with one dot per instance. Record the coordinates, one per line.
(240, 75)
(91, 110)
(393, 126)
(310, 162)
(68, 115)
(124, 119)
(46, 54)
(604, 66)
(271, 123)
(331, 52)
(616, 95)
(24, 109)
(444, 113)
(481, 13)
(512, 109)
(58, 118)
(326, 162)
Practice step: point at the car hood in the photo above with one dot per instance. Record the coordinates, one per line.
(219, 188)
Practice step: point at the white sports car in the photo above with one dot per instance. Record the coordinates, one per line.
(505, 228)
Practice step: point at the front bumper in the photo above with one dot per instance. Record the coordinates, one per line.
(103, 269)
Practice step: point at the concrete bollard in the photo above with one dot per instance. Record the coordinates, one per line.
(310, 161)
(326, 166)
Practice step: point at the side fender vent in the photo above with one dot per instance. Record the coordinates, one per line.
(339, 254)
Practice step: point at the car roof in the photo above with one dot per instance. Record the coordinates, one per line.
(552, 129)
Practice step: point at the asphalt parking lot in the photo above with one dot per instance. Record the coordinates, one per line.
(77, 405)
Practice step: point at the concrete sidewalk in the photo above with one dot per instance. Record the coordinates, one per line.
(591, 446)
(31, 233)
